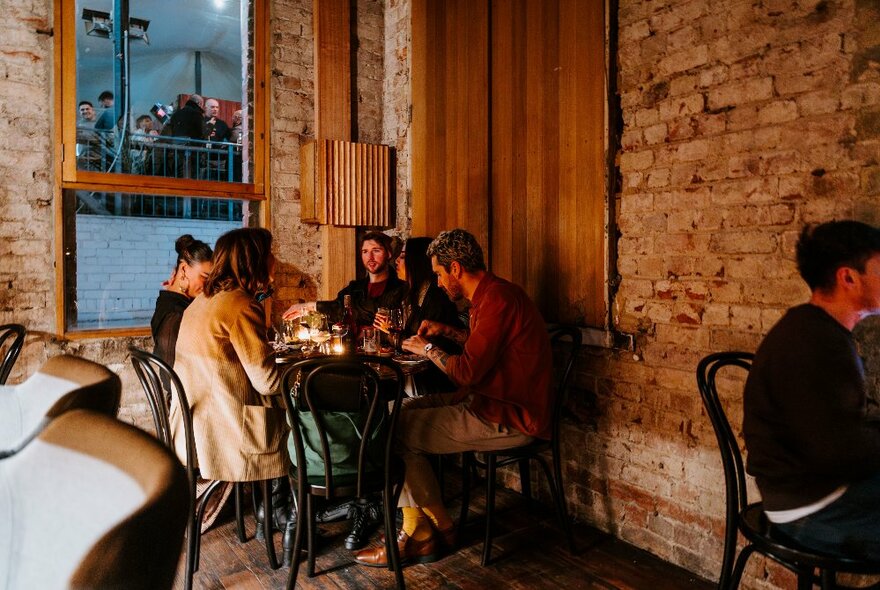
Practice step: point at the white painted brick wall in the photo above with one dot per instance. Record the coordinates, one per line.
(122, 262)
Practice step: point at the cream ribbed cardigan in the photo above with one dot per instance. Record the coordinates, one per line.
(227, 369)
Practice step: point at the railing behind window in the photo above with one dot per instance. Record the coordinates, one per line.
(157, 155)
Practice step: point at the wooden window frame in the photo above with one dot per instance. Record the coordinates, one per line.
(68, 178)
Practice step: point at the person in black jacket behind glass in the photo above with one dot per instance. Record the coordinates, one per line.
(813, 447)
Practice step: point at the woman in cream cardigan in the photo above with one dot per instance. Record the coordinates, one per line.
(227, 369)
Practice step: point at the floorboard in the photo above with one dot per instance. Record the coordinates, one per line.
(528, 553)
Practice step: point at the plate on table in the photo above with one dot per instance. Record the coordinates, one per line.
(386, 352)
(410, 359)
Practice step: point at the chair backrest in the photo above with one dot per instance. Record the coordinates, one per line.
(561, 337)
(160, 383)
(11, 341)
(92, 502)
(736, 495)
(63, 383)
(319, 390)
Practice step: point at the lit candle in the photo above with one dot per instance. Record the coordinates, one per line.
(338, 349)
(303, 333)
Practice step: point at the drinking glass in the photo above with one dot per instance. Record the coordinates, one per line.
(395, 317)
(369, 341)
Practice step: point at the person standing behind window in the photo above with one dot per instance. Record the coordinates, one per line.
(186, 281)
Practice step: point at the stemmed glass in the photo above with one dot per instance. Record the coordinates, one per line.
(395, 319)
(318, 332)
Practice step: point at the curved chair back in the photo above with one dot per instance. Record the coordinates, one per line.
(63, 383)
(11, 340)
(160, 383)
(337, 385)
(736, 496)
(560, 337)
(100, 498)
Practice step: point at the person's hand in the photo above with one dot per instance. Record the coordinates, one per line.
(430, 328)
(382, 322)
(415, 345)
(297, 310)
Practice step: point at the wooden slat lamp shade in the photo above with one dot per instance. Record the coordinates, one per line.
(346, 184)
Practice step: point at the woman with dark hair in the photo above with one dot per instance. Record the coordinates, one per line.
(425, 300)
(187, 280)
(227, 368)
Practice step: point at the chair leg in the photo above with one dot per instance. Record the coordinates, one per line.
(192, 539)
(525, 478)
(740, 566)
(200, 514)
(265, 488)
(296, 551)
(239, 512)
(558, 493)
(466, 459)
(391, 548)
(490, 508)
(829, 579)
(441, 479)
(310, 507)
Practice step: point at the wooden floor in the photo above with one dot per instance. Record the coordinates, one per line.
(528, 553)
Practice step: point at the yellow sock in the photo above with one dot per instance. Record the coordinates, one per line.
(415, 523)
(438, 516)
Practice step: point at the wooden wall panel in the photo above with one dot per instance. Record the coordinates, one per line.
(332, 27)
(541, 67)
(547, 153)
(450, 116)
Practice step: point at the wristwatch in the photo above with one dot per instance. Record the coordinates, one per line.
(428, 347)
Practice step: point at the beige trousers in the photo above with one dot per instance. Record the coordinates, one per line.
(432, 425)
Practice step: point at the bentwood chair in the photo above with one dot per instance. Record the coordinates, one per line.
(79, 512)
(11, 341)
(159, 382)
(750, 519)
(568, 338)
(63, 383)
(322, 396)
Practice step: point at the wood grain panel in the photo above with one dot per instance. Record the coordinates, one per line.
(547, 149)
(356, 182)
(541, 215)
(450, 116)
(332, 28)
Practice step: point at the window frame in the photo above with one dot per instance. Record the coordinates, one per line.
(68, 178)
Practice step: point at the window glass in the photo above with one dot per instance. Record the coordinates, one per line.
(168, 95)
(119, 249)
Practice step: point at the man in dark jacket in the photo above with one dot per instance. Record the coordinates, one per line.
(812, 447)
(188, 122)
(380, 288)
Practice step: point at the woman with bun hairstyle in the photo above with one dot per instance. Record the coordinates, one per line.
(187, 280)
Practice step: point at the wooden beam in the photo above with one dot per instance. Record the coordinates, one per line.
(332, 27)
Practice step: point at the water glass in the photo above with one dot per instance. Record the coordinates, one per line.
(369, 340)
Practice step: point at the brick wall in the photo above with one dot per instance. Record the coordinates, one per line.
(742, 121)
(122, 261)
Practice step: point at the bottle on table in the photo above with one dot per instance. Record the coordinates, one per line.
(349, 321)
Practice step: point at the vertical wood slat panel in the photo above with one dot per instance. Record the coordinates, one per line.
(547, 147)
(544, 181)
(355, 183)
(332, 31)
(450, 117)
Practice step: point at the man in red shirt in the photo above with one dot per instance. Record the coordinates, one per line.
(504, 397)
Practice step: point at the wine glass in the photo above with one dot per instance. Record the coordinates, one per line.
(395, 319)
(318, 332)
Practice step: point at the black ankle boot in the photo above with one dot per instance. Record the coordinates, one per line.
(365, 516)
(281, 506)
(289, 532)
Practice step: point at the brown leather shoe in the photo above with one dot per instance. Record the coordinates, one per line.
(411, 551)
(447, 540)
